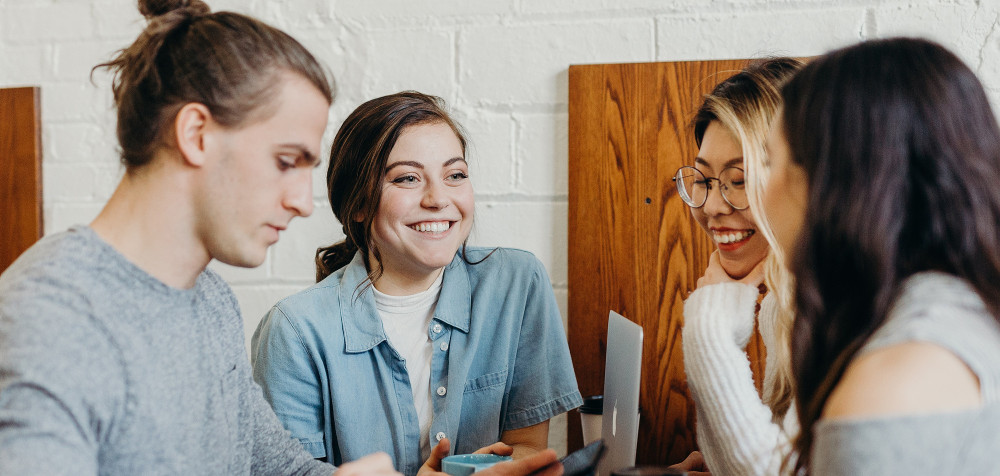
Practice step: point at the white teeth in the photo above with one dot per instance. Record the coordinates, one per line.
(732, 237)
(432, 227)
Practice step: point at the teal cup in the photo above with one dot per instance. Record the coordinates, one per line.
(464, 465)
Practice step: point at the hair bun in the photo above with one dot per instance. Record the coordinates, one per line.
(154, 8)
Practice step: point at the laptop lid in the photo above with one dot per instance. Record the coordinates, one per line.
(620, 421)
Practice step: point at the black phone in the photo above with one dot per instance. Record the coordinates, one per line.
(583, 462)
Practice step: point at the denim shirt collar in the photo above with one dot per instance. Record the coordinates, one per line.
(362, 325)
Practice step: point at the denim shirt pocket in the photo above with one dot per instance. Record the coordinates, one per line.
(482, 403)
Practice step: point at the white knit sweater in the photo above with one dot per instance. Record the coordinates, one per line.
(736, 433)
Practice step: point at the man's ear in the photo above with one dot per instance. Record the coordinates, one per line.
(190, 127)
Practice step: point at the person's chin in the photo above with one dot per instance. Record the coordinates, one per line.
(246, 259)
(735, 265)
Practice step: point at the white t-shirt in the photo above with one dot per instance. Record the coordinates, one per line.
(406, 320)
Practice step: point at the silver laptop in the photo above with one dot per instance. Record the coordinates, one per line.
(620, 421)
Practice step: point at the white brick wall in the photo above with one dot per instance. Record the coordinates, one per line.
(501, 65)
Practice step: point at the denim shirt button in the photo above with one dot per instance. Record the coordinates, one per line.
(444, 346)
(436, 329)
(439, 436)
(441, 392)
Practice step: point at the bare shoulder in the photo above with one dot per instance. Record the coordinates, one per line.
(911, 378)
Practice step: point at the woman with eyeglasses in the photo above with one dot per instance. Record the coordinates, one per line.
(739, 431)
(885, 165)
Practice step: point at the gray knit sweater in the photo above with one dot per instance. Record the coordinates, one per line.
(106, 370)
(943, 310)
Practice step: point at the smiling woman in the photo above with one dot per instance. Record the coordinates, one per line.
(411, 338)
(740, 431)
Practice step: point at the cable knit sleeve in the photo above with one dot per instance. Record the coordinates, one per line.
(736, 433)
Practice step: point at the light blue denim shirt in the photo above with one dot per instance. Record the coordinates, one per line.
(500, 361)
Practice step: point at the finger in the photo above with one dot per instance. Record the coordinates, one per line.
(714, 273)
(539, 462)
(498, 448)
(693, 462)
(438, 453)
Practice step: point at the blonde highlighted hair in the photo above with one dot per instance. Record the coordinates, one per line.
(746, 104)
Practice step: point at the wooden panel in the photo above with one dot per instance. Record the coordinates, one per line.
(20, 172)
(633, 245)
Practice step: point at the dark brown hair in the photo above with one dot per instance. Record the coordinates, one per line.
(902, 155)
(357, 171)
(229, 62)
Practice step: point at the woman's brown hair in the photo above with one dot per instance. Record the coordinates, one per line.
(357, 171)
(229, 62)
(902, 157)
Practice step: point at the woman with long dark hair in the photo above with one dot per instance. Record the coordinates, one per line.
(411, 338)
(885, 193)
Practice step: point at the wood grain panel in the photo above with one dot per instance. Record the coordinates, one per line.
(633, 245)
(20, 172)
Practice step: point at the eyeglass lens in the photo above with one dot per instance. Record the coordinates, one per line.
(693, 186)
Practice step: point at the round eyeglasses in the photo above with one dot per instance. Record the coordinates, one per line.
(693, 187)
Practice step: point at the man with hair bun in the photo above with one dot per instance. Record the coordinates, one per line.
(120, 353)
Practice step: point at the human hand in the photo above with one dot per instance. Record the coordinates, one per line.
(498, 448)
(694, 464)
(543, 463)
(376, 464)
(716, 274)
(432, 467)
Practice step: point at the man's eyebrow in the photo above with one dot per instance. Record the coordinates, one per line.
(307, 156)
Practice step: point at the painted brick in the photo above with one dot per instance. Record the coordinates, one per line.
(295, 253)
(538, 227)
(297, 15)
(75, 101)
(27, 65)
(61, 21)
(257, 299)
(74, 60)
(968, 25)
(118, 21)
(319, 177)
(60, 216)
(747, 35)
(560, 6)
(107, 180)
(542, 154)
(528, 64)
(395, 61)
(989, 65)
(489, 137)
(77, 141)
(69, 183)
(397, 9)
